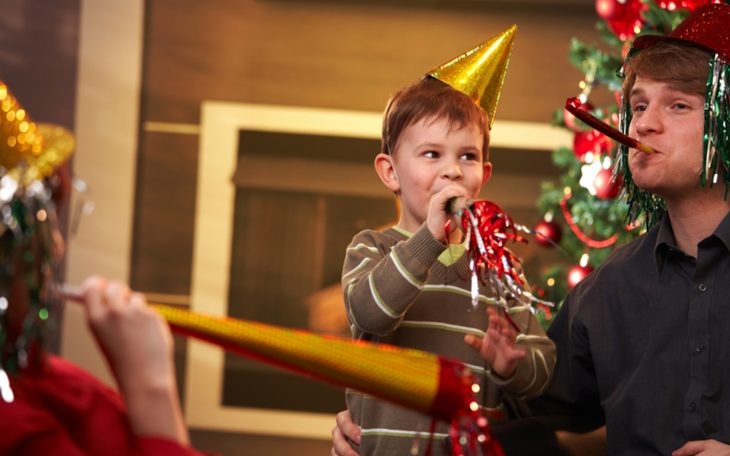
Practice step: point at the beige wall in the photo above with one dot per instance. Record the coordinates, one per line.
(106, 132)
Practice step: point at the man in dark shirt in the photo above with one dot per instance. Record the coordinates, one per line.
(644, 341)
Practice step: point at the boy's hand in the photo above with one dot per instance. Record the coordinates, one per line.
(497, 346)
(345, 436)
(445, 206)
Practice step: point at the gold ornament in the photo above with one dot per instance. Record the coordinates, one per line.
(31, 150)
(480, 72)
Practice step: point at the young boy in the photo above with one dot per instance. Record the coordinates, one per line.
(409, 285)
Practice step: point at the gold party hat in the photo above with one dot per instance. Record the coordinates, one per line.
(35, 150)
(480, 72)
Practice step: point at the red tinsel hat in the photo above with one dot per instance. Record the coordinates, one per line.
(707, 27)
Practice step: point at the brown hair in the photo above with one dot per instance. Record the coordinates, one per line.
(683, 66)
(429, 97)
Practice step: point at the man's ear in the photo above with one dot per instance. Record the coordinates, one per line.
(487, 167)
(385, 169)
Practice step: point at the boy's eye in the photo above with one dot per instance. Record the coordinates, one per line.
(431, 154)
(470, 156)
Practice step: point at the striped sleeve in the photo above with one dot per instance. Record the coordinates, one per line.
(382, 276)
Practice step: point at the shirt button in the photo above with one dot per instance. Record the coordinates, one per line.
(702, 287)
(692, 407)
(700, 348)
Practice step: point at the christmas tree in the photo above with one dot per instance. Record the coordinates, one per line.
(584, 214)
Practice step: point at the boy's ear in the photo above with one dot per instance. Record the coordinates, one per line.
(487, 166)
(386, 172)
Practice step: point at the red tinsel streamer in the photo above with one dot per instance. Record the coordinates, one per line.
(489, 229)
(593, 243)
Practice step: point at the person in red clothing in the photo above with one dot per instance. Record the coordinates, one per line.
(49, 406)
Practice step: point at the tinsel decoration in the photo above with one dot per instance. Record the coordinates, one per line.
(716, 149)
(27, 230)
(488, 229)
(29, 154)
(641, 204)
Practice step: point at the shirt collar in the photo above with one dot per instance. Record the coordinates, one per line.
(665, 242)
(723, 231)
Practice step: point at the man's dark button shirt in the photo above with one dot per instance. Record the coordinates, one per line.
(646, 338)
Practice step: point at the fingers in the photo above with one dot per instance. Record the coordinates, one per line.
(474, 342)
(499, 325)
(92, 292)
(344, 433)
(442, 208)
(103, 298)
(349, 429)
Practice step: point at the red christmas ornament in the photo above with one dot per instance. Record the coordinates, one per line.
(690, 5)
(606, 187)
(577, 273)
(548, 233)
(606, 9)
(624, 17)
(569, 119)
(590, 141)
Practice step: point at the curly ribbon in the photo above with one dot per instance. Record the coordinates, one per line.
(593, 243)
(488, 229)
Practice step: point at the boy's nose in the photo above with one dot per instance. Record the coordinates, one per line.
(453, 171)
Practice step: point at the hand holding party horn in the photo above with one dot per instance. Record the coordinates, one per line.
(422, 381)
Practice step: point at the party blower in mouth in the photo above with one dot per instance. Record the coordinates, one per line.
(572, 105)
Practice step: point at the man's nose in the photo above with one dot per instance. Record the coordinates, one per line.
(650, 121)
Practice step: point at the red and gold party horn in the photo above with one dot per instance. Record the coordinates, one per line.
(421, 381)
(572, 105)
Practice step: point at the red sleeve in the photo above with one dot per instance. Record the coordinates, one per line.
(26, 431)
(153, 446)
(65, 411)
